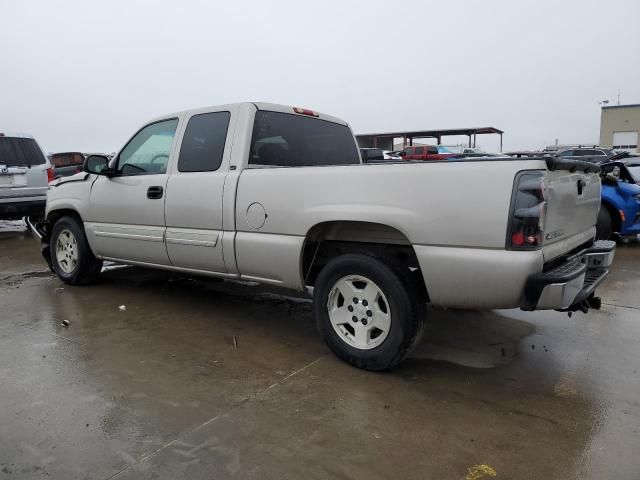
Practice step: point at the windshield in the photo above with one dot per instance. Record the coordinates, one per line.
(20, 152)
(449, 149)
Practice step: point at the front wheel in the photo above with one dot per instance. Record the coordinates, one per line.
(368, 311)
(71, 257)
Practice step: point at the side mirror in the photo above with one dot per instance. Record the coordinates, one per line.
(97, 164)
(403, 154)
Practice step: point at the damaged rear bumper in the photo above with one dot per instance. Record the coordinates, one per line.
(571, 285)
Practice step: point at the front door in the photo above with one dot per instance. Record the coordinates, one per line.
(194, 194)
(126, 211)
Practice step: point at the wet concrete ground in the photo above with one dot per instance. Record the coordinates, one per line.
(198, 379)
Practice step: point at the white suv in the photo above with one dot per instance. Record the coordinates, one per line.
(25, 173)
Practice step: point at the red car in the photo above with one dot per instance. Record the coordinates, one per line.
(424, 152)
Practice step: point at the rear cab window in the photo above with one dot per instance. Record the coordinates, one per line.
(419, 150)
(289, 140)
(67, 159)
(20, 152)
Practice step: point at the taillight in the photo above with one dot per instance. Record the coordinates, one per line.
(50, 175)
(305, 111)
(528, 209)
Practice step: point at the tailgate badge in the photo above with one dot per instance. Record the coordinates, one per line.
(554, 234)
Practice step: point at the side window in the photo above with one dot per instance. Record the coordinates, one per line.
(288, 140)
(375, 154)
(566, 153)
(147, 153)
(408, 151)
(419, 150)
(203, 143)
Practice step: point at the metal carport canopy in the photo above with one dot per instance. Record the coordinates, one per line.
(370, 139)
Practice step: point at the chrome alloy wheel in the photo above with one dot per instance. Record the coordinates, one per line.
(67, 251)
(359, 312)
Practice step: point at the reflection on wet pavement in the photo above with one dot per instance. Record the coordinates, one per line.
(203, 379)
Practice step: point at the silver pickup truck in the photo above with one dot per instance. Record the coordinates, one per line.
(279, 195)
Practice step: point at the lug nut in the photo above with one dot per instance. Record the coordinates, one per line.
(355, 300)
(364, 321)
(369, 313)
(350, 308)
(365, 303)
(355, 319)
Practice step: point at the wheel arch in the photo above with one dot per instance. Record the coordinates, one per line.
(615, 215)
(54, 215)
(326, 240)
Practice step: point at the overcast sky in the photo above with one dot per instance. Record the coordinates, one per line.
(84, 75)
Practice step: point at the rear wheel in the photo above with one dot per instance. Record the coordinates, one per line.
(368, 311)
(604, 225)
(71, 257)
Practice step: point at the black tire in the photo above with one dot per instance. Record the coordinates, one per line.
(88, 267)
(604, 224)
(407, 312)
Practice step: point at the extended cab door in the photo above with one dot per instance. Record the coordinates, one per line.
(126, 211)
(194, 235)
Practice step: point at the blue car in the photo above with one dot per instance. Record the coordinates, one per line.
(620, 210)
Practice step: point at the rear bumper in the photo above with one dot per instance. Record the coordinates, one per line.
(570, 286)
(14, 210)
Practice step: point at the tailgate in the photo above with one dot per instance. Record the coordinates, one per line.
(20, 183)
(573, 200)
(12, 179)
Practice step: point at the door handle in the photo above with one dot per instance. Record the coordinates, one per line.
(155, 192)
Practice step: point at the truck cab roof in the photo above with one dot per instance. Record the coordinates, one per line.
(272, 107)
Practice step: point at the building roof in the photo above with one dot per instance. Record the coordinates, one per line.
(630, 105)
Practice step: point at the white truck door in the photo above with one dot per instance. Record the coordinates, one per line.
(126, 212)
(193, 208)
